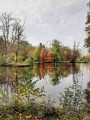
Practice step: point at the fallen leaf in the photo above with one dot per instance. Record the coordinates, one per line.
(0, 116)
(10, 118)
(28, 117)
(35, 117)
(20, 116)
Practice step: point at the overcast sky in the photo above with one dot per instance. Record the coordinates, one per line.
(63, 20)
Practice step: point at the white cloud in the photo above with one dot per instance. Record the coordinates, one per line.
(32, 40)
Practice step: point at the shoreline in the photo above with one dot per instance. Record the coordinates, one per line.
(28, 65)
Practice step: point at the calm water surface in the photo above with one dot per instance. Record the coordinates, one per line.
(63, 83)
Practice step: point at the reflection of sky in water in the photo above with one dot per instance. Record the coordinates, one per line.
(51, 90)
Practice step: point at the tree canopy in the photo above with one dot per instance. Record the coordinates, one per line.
(57, 50)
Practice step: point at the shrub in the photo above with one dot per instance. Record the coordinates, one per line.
(28, 61)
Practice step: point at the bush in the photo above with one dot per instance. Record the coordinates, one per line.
(28, 61)
(2, 61)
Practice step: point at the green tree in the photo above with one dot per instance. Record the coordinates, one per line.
(36, 54)
(87, 40)
(23, 49)
(37, 51)
(57, 50)
(30, 52)
(21, 56)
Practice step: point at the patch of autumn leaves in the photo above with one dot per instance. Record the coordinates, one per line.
(0, 116)
(21, 117)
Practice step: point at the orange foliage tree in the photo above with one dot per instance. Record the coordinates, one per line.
(43, 55)
(50, 57)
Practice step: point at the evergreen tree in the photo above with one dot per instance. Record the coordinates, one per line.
(87, 40)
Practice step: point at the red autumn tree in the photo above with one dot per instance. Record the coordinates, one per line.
(50, 57)
(43, 55)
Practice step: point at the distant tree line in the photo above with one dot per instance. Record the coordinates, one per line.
(15, 49)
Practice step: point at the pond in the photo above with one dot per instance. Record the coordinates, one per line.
(64, 84)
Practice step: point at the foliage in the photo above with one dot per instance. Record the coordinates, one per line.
(50, 57)
(2, 61)
(28, 61)
(36, 54)
(12, 58)
(30, 51)
(84, 58)
(43, 55)
(57, 50)
(27, 90)
(87, 40)
(72, 99)
(21, 56)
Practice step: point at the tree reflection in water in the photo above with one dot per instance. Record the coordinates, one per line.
(42, 70)
(55, 71)
(10, 78)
